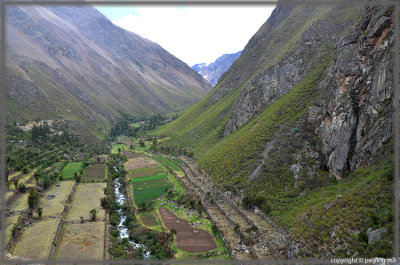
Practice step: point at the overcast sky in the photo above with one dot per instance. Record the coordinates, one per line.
(195, 34)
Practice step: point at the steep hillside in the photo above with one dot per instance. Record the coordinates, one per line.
(73, 63)
(300, 127)
(213, 71)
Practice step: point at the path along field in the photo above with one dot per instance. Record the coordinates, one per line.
(189, 239)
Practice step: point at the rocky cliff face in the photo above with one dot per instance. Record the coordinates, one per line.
(73, 63)
(213, 71)
(354, 121)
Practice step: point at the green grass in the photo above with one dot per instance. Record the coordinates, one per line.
(115, 147)
(71, 168)
(235, 155)
(145, 148)
(361, 201)
(154, 177)
(148, 189)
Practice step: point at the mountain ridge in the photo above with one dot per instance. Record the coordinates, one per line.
(213, 71)
(99, 69)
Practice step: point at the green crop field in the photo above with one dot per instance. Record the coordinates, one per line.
(71, 168)
(145, 172)
(169, 163)
(115, 147)
(149, 188)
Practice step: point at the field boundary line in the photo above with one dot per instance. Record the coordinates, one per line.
(61, 223)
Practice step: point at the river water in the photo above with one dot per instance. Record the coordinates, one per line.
(123, 230)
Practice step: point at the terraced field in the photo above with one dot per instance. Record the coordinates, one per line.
(36, 240)
(144, 172)
(70, 169)
(54, 199)
(95, 173)
(87, 197)
(270, 240)
(81, 241)
(140, 162)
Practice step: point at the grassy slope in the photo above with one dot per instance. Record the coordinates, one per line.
(339, 215)
(329, 216)
(202, 125)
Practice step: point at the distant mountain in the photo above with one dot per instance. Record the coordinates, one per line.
(213, 71)
(73, 63)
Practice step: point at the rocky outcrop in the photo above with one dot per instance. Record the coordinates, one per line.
(375, 235)
(355, 120)
(271, 83)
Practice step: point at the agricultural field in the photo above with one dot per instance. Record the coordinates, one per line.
(36, 240)
(121, 147)
(71, 168)
(172, 165)
(130, 154)
(124, 140)
(95, 173)
(139, 162)
(10, 221)
(148, 189)
(145, 172)
(90, 194)
(189, 239)
(54, 198)
(81, 241)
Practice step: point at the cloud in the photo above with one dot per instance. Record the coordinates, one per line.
(197, 34)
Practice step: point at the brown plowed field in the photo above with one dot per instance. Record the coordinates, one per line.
(189, 239)
(140, 162)
(94, 172)
(130, 155)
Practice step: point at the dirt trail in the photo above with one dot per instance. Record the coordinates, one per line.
(269, 241)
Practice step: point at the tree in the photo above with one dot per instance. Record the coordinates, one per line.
(77, 177)
(236, 228)
(16, 181)
(173, 231)
(142, 143)
(21, 187)
(39, 211)
(33, 198)
(93, 215)
(36, 177)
